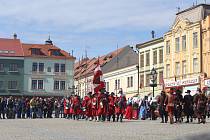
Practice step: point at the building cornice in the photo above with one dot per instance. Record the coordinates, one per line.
(149, 43)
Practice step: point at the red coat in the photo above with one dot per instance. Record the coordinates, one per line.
(120, 103)
(94, 102)
(76, 105)
(111, 106)
(129, 111)
(87, 105)
(66, 105)
(102, 105)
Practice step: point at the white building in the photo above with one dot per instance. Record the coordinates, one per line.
(150, 55)
(119, 72)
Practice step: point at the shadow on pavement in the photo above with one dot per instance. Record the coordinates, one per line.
(196, 137)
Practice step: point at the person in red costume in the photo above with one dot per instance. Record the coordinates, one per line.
(169, 102)
(76, 107)
(87, 106)
(66, 107)
(111, 107)
(102, 106)
(129, 110)
(94, 106)
(120, 105)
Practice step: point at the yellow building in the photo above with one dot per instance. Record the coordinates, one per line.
(185, 44)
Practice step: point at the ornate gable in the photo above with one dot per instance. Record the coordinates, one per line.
(180, 25)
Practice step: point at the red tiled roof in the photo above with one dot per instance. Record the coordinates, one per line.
(86, 66)
(45, 51)
(10, 47)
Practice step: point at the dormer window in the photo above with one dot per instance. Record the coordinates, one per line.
(56, 53)
(35, 51)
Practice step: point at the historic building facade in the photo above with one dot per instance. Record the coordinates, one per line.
(48, 70)
(150, 56)
(11, 67)
(184, 48)
(119, 72)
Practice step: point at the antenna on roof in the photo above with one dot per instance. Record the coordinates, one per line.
(205, 1)
(196, 2)
(178, 9)
(153, 34)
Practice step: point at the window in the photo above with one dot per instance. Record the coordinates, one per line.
(160, 77)
(195, 40)
(56, 67)
(13, 67)
(147, 80)
(130, 81)
(167, 70)
(184, 68)
(56, 85)
(118, 84)
(184, 43)
(115, 84)
(49, 69)
(40, 84)
(177, 68)
(63, 68)
(62, 85)
(41, 67)
(12, 85)
(37, 84)
(195, 65)
(56, 53)
(155, 57)
(34, 84)
(142, 60)
(142, 80)
(177, 44)
(147, 59)
(167, 47)
(107, 86)
(1, 67)
(35, 51)
(34, 66)
(160, 56)
(1, 84)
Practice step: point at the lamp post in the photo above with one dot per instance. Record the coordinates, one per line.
(153, 83)
(138, 77)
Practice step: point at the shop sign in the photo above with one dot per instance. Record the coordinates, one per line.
(184, 82)
(207, 82)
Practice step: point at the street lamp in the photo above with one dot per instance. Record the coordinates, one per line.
(153, 83)
(138, 77)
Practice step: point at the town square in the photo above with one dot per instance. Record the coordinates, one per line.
(94, 69)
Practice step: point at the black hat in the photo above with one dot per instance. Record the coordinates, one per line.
(112, 93)
(188, 91)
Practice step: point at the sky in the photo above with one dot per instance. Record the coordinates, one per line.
(98, 26)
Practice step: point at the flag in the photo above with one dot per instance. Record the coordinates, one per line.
(98, 82)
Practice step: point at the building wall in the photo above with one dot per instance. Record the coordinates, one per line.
(206, 46)
(6, 75)
(145, 70)
(48, 76)
(130, 89)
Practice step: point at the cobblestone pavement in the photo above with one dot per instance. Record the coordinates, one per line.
(62, 129)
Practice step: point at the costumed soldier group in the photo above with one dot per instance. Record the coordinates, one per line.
(176, 107)
(99, 107)
(170, 106)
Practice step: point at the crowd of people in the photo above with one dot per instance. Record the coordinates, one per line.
(104, 106)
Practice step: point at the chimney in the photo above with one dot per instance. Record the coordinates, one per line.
(15, 36)
(153, 34)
